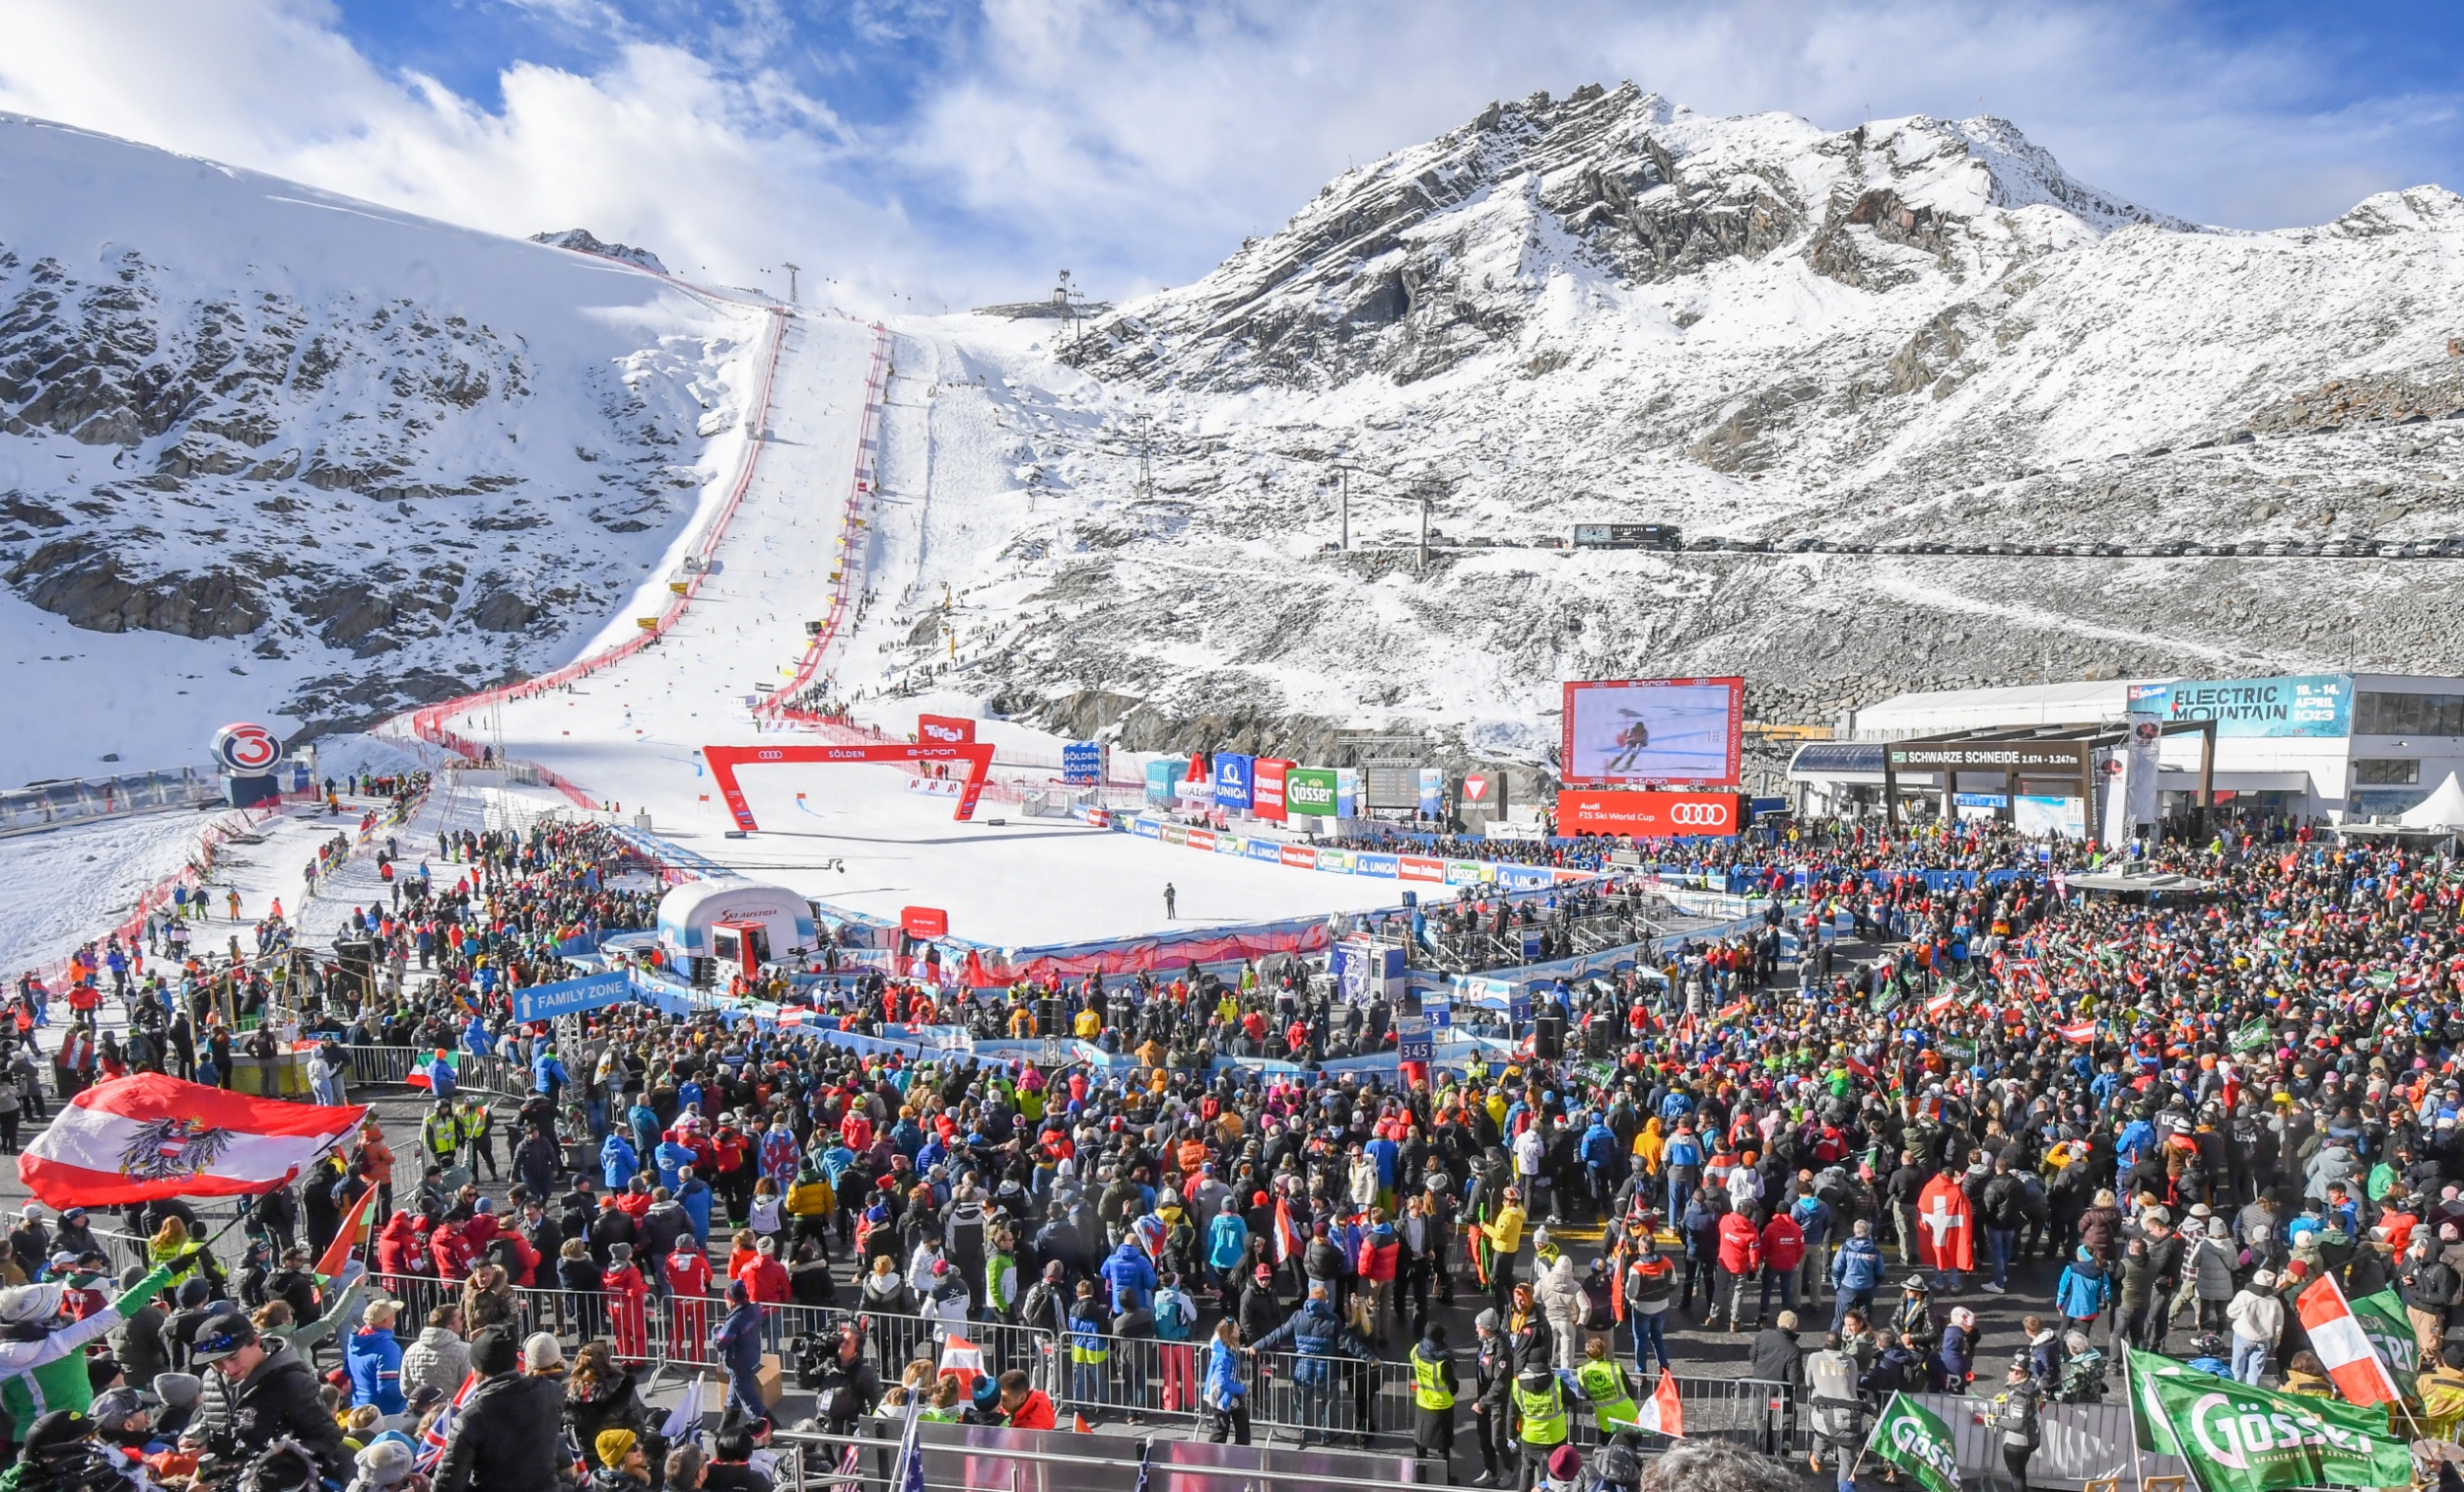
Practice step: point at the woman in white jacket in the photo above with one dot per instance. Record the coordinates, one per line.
(2258, 1318)
(1560, 1295)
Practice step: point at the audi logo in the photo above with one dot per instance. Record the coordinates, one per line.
(1698, 815)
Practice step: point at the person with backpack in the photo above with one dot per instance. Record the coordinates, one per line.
(1176, 1314)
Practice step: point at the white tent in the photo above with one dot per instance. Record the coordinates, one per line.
(2443, 809)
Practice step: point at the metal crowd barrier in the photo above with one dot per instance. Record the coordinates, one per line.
(674, 1330)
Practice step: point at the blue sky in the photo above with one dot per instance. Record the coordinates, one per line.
(922, 153)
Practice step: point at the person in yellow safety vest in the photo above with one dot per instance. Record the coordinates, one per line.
(1540, 1405)
(1602, 1384)
(1504, 1235)
(1433, 1389)
(477, 1127)
(440, 1132)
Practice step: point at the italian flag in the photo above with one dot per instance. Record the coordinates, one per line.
(419, 1074)
(1664, 1411)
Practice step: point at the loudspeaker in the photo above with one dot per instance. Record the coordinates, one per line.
(1052, 1016)
(1548, 1038)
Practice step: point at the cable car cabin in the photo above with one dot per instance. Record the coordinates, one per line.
(739, 948)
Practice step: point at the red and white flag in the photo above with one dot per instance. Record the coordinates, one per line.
(1946, 1236)
(2084, 1032)
(1664, 1411)
(137, 1138)
(1288, 1239)
(963, 1358)
(1941, 1003)
(2341, 1344)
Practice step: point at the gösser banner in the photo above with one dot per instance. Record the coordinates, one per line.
(1310, 791)
(1685, 732)
(1648, 815)
(2249, 1439)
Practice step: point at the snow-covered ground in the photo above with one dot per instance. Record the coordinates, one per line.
(858, 838)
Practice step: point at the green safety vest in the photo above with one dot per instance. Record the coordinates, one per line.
(475, 1122)
(1603, 1385)
(1429, 1382)
(1543, 1415)
(440, 1133)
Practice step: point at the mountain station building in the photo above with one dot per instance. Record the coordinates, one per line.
(2318, 748)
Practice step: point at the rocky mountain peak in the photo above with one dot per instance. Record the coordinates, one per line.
(580, 240)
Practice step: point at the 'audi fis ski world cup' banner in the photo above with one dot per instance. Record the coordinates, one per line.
(2248, 1439)
(1649, 815)
(1910, 1437)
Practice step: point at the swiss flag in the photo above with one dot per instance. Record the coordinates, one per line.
(1946, 1232)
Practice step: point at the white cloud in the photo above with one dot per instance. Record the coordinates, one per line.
(1138, 142)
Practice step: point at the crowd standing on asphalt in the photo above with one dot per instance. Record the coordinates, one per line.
(2166, 1122)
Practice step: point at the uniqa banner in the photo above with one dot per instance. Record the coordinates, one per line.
(2247, 1439)
(1909, 1436)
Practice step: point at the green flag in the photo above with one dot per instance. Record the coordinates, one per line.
(2248, 1439)
(2253, 1036)
(1909, 1437)
(2382, 1320)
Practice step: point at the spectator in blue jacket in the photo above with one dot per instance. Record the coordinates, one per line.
(618, 1164)
(1227, 1243)
(374, 1359)
(1129, 1276)
(1225, 1396)
(739, 1343)
(1856, 1272)
(694, 1195)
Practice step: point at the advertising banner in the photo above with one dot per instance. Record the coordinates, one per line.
(1419, 867)
(1346, 793)
(1433, 792)
(944, 729)
(1649, 815)
(1265, 849)
(2297, 705)
(1336, 860)
(1082, 762)
(1267, 787)
(1297, 854)
(1912, 1438)
(1309, 792)
(1201, 839)
(1163, 780)
(1374, 864)
(1232, 779)
(2139, 770)
(1413, 1042)
(925, 922)
(1687, 731)
(2251, 1440)
(1147, 827)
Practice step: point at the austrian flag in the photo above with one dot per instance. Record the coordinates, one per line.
(137, 1138)
(2343, 1347)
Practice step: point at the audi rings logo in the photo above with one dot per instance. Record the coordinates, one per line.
(246, 750)
(1706, 815)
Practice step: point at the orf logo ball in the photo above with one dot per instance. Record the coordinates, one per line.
(246, 750)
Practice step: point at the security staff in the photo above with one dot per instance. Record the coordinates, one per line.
(1540, 1405)
(442, 1133)
(1433, 1389)
(478, 1126)
(1602, 1384)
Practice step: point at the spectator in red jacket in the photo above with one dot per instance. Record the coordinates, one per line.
(1740, 1254)
(402, 1247)
(1783, 1252)
(765, 1279)
(1380, 1252)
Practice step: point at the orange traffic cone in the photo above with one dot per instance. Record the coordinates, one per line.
(1077, 1422)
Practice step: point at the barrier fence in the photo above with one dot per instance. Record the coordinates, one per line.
(79, 798)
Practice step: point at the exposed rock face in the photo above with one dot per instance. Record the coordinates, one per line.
(580, 240)
(1608, 307)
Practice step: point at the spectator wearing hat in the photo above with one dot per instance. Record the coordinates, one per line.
(266, 1394)
(505, 1435)
(375, 1358)
(623, 1462)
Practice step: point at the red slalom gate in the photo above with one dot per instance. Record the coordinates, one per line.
(723, 761)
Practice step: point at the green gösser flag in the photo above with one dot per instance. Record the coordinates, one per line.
(1909, 1437)
(2241, 1438)
(2258, 1032)
(2382, 1320)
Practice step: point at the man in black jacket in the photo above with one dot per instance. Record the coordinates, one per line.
(268, 1395)
(505, 1434)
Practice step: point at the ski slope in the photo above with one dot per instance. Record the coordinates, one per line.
(857, 837)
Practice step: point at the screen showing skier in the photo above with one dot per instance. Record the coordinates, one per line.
(1652, 730)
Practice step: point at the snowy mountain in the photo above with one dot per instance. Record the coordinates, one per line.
(1611, 307)
(266, 452)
